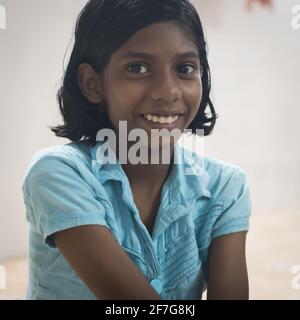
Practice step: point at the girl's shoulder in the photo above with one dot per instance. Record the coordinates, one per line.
(228, 206)
(224, 179)
(70, 153)
(75, 156)
(215, 167)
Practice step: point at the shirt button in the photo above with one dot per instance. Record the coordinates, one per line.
(157, 285)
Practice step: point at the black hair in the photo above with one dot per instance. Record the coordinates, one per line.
(102, 27)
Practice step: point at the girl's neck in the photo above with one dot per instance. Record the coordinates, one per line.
(148, 176)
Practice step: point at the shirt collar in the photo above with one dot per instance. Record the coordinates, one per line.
(187, 180)
(106, 171)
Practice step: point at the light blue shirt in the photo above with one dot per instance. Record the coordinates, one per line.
(66, 186)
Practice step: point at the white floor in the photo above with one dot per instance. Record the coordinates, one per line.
(273, 249)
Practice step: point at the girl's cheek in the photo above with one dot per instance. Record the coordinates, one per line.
(194, 93)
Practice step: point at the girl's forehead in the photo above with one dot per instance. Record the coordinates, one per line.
(159, 37)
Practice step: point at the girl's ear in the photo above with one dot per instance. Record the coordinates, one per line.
(90, 83)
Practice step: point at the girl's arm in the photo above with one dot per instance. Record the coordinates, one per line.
(102, 264)
(227, 269)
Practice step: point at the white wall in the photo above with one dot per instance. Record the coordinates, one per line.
(31, 58)
(255, 68)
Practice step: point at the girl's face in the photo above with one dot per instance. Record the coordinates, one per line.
(156, 72)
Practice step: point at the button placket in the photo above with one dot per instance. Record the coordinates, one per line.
(149, 243)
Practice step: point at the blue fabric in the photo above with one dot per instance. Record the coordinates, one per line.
(67, 186)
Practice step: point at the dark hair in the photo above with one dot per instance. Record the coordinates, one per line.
(102, 27)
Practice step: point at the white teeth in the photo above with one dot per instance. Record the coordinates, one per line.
(161, 120)
(155, 119)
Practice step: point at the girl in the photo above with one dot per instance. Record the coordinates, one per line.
(135, 230)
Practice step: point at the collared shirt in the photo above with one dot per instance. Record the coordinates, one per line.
(67, 186)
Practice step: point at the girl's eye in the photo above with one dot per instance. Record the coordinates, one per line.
(136, 68)
(187, 67)
(139, 68)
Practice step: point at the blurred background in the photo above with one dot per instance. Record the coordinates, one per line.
(255, 65)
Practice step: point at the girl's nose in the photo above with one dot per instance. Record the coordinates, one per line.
(166, 88)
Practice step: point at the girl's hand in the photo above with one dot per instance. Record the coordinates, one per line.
(265, 3)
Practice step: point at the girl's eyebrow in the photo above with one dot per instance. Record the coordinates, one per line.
(144, 55)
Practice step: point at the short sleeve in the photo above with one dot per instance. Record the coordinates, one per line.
(58, 198)
(236, 206)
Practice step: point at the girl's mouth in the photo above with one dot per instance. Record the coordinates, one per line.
(160, 122)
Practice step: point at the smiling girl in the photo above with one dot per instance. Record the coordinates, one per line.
(135, 230)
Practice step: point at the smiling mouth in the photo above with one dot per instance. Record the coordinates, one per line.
(164, 120)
